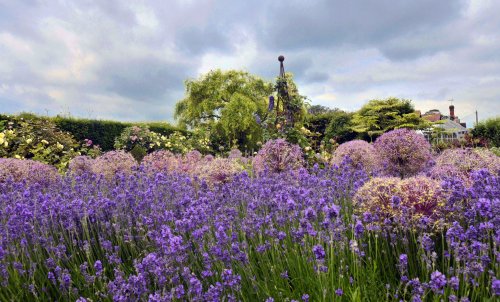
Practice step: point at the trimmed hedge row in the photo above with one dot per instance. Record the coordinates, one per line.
(103, 132)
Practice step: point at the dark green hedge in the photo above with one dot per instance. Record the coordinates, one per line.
(102, 132)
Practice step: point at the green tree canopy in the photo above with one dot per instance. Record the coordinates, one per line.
(339, 127)
(225, 102)
(489, 130)
(379, 116)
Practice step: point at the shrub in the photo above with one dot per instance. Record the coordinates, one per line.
(278, 156)
(104, 133)
(113, 162)
(489, 130)
(402, 152)
(360, 152)
(39, 139)
(30, 171)
(135, 136)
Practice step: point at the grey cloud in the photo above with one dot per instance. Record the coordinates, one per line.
(143, 79)
(424, 50)
(330, 23)
(196, 41)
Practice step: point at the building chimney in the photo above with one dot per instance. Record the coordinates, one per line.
(452, 112)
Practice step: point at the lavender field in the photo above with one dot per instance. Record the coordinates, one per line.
(378, 222)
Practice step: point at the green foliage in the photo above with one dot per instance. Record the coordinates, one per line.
(379, 116)
(140, 136)
(489, 130)
(293, 111)
(138, 152)
(340, 127)
(495, 150)
(103, 132)
(136, 136)
(31, 137)
(318, 110)
(224, 103)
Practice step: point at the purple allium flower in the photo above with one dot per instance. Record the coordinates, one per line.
(278, 156)
(402, 152)
(360, 153)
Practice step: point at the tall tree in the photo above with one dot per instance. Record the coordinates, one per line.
(225, 102)
(379, 116)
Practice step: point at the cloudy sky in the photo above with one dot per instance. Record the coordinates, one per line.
(128, 60)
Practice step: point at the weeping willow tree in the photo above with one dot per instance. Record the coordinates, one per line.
(228, 105)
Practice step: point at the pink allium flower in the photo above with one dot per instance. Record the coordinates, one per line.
(113, 162)
(28, 170)
(468, 160)
(219, 170)
(235, 154)
(278, 156)
(402, 152)
(161, 161)
(359, 151)
(80, 165)
(406, 201)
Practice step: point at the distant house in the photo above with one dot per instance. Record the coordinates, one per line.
(445, 128)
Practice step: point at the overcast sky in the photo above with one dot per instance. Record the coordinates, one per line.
(127, 60)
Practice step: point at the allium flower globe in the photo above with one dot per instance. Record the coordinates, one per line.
(402, 152)
(360, 152)
(278, 156)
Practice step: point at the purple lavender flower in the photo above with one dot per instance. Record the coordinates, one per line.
(495, 287)
(437, 282)
(319, 252)
(98, 267)
(454, 283)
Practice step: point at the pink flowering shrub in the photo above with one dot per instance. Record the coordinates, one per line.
(28, 170)
(278, 156)
(402, 152)
(359, 151)
(410, 202)
(113, 162)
